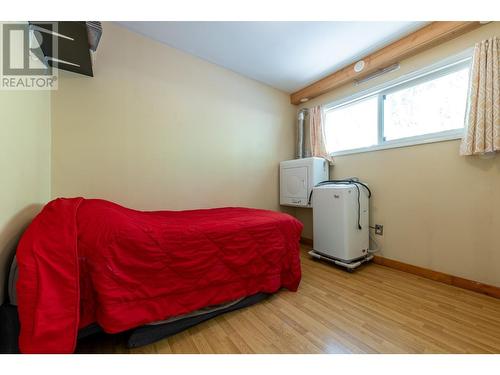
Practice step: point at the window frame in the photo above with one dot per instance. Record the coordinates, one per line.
(434, 71)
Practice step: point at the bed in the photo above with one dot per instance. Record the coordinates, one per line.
(92, 263)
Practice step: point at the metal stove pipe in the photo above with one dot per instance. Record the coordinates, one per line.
(299, 151)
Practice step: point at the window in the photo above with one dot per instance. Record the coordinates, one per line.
(353, 125)
(425, 108)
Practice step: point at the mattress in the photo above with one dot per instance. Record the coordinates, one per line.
(9, 325)
(137, 337)
(11, 283)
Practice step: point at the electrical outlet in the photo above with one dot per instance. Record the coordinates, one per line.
(379, 229)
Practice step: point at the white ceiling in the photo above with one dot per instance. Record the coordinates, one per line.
(285, 55)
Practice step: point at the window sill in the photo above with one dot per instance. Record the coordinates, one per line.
(406, 142)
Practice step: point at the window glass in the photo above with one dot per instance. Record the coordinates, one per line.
(352, 126)
(430, 107)
(434, 105)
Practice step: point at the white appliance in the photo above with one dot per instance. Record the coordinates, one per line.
(298, 177)
(336, 224)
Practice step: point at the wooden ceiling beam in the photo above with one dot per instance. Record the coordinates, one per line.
(422, 39)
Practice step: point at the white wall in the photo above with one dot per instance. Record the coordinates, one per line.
(439, 210)
(154, 129)
(160, 129)
(24, 166)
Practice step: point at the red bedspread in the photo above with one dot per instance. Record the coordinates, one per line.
(88, 260)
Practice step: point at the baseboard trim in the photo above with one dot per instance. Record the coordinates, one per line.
(460, 282)
(442, 277)
(306, 241)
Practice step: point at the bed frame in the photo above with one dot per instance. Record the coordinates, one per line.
(9, 325)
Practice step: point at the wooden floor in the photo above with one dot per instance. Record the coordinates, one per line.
(374, 310)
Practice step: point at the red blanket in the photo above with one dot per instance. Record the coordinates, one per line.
(83, 261)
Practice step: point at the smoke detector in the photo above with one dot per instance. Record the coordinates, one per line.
(359, 66)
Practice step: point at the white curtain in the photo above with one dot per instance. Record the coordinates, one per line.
(482, 134)
(317, 134)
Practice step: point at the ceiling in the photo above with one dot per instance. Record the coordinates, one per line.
(285, 55)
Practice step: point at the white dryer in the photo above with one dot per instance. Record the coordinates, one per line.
(298, 177)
